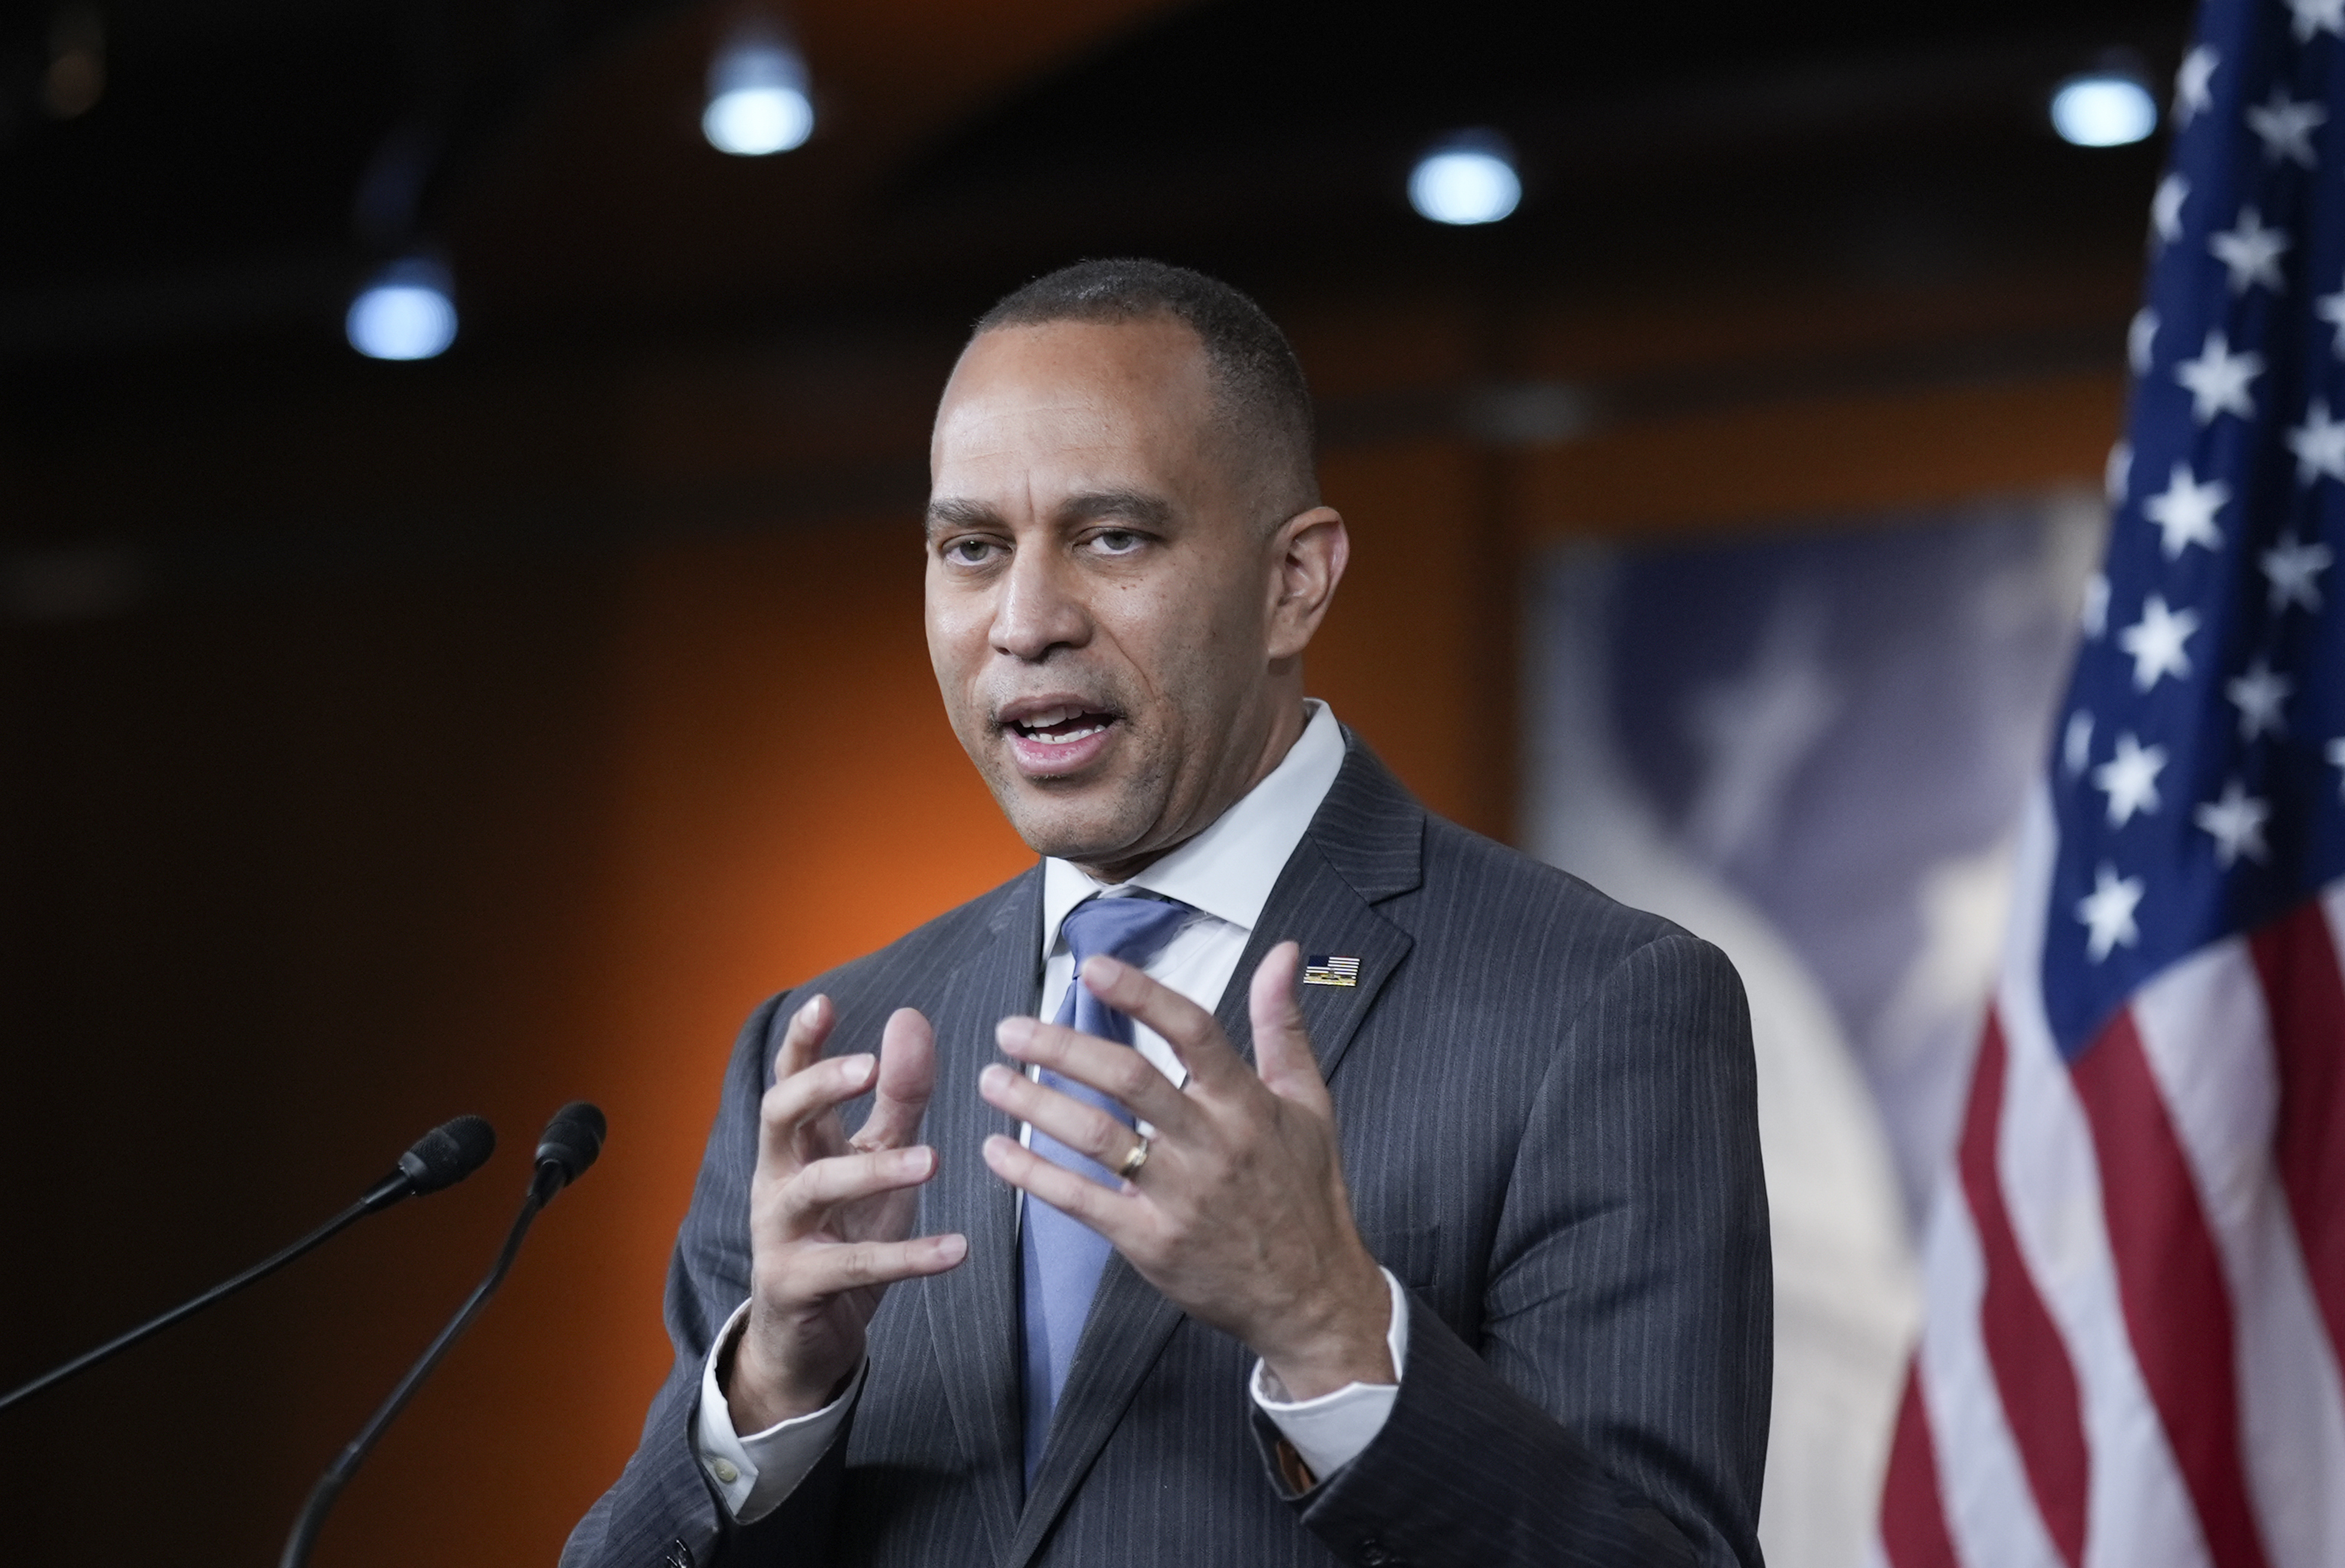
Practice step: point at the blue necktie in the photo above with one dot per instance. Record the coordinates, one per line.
(1063, 1257)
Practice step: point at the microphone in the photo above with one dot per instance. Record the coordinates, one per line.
(571, 1143)
(441, 1158)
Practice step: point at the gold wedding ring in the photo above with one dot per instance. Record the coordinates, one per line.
(1135, 1160)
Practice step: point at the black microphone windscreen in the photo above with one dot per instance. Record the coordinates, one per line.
(448, 1153)
(573, 1139)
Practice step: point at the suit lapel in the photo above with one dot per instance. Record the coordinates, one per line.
(1326, 904)
(972, 1310)
(1328, 918)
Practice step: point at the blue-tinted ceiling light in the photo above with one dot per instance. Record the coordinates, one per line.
(2103, 109)
(406, 311)
(758, 97)
(1465, 178)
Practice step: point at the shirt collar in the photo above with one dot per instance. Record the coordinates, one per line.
(1229, 869)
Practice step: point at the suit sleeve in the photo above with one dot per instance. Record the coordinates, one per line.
(662, 1511)
(1612, 1407)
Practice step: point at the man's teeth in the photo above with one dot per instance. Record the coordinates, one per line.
(1087, 725)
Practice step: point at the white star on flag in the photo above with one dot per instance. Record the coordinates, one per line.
(2293, 569)
(2191, 83)
(2337, 761)
(2236, 823)
(2130, 780)
(2166, 208)
(2077, 743)
(2331, 308)
(2093, 615)
(2218, 380)
(2250, 252)
(2259, 696)
(2317, 16)
(2285, 127)
(2107, 913)
(2184, 512)
(2141, 337)
(2318, 444)
(2156, 643)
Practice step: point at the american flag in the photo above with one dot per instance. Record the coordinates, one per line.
(2136, 1268)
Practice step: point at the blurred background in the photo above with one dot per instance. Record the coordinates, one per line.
(459, 592)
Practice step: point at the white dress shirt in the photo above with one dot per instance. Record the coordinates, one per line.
(1225, 874)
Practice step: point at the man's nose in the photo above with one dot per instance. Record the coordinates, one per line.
(1038, 608)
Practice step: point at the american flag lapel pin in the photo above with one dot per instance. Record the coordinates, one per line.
(1329, 969)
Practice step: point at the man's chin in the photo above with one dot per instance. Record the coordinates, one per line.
(1090, 826)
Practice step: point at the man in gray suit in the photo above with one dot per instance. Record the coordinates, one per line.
(1374, 1195)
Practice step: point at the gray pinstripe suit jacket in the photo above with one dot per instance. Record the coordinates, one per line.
(1547, 1112)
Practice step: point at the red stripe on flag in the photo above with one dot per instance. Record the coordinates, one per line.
(2178, 1309)
(1913, 1532)
(2296, 960)
(2032, 1371)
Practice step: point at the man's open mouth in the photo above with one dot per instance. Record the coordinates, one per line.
(1060, 726)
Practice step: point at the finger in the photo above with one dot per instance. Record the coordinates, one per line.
(1115, 1070)
(1282, 1041)
(809, 1196)
(802, 1039)
(1106, 1210)
(788, 1117)
(828, 1270)
(1085, 1128)
(908, 1075)
(1187, 1028)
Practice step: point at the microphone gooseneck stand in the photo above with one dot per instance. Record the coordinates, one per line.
(572, 1141)
(442, 1158)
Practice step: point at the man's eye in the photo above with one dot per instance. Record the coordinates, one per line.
(969, 552)
(1117, 542)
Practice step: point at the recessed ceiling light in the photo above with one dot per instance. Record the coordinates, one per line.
(758, 102)
(2103, 109)
(1465, 178)
(406, 311)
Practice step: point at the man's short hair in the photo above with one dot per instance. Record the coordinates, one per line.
(1258, 382)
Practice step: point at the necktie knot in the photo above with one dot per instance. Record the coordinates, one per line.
(1133, 930)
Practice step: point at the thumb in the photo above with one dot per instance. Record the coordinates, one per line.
(1282, 1045)
(908, 1074)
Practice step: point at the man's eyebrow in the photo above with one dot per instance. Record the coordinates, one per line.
(952, 511)
(1132, 506)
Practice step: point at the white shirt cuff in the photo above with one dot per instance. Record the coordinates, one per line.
(1333, 1430)
(753, 1475)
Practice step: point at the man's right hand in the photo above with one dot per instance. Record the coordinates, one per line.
(830, 1216)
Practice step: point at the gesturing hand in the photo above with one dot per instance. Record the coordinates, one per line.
(828, 1215)
(1240, 1215)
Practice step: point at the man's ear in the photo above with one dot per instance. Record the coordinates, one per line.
(1308, 554)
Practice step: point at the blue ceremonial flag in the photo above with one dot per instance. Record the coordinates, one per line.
(2136, 1270)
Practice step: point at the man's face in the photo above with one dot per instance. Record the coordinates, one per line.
(1101, 588)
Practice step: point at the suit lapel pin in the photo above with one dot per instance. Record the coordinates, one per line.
(1327, 970)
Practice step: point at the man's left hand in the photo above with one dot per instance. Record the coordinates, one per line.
(1240, 1215)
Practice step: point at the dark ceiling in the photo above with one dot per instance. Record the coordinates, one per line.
(246, 159)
